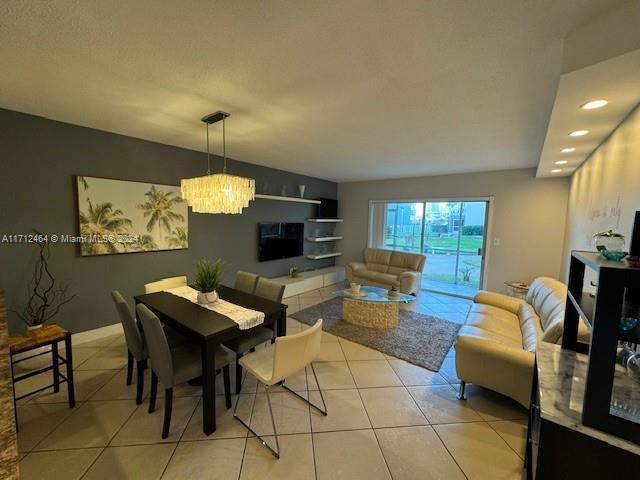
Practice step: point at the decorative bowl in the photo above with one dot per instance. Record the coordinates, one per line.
(628, 323)
(613, 255)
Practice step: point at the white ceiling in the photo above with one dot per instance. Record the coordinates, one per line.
(615, 80)
(345, 90)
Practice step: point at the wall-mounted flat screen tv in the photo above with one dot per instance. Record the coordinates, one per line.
(280, 240)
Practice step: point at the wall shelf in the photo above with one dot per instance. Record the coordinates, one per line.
(320, 256)
(323, 239)
(324, 220)
(286, 199)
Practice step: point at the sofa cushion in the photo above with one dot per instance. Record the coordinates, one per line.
(377, 259)
(385, 278)
(548, 296)
(483, 334)
(529, 327)
(403, 261)
(495, 320)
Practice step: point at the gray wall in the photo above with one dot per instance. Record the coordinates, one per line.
(528, 217)
(40, 158)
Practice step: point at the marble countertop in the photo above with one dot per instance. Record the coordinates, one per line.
(8, 442)
(561, 377)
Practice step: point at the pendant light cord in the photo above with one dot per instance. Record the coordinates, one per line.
(224, 148)
(208, 154)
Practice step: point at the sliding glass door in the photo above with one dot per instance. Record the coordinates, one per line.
(451, 234)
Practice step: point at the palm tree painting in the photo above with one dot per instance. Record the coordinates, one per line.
(101, 222)
(178, 238)
(119, 216)
(159, 210)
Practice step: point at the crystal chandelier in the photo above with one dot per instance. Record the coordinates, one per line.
(218, 192)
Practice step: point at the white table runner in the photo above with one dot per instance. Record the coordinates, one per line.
(244, 317)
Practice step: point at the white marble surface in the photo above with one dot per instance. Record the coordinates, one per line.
(562, 375)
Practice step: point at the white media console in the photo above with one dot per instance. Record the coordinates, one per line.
(311, 280)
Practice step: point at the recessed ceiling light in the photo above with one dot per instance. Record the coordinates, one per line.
(568, 150)
(578, 133)
(593, 104)
(561, 162)
(556, 170)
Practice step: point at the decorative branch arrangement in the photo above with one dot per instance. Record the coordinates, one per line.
(45, 295)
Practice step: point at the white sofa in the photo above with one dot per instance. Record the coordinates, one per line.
(496, 346)
(388, 268)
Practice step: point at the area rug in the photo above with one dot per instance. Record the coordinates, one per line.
(419, 339)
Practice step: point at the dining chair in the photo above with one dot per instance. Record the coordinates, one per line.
(175, 366)
(270, 290)
(165, 283)
(273, 364)
(136, 348)
(245, 281)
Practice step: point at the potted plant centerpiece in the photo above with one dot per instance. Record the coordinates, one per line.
(208, 279)
(45, 295)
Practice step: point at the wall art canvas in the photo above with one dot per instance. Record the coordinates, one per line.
(121, 216)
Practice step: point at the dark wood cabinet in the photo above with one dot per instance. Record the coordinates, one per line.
(558, 445)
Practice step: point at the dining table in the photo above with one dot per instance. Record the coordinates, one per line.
(210, 329)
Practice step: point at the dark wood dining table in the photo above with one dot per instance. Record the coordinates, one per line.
(210, 329)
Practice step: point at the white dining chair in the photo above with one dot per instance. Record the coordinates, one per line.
(165, 283)
(272, 364)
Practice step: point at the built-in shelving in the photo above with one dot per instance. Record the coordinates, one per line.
(320, 256)
(286, 199)
(325, 220)
(323, 239)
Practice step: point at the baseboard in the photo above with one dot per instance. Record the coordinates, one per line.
(96, 333)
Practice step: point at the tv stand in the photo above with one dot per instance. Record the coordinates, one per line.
(311, 280)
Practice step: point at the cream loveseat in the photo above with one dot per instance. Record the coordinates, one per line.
(496, 346)
(388, 268)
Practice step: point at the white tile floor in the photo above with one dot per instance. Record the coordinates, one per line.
(387, 419)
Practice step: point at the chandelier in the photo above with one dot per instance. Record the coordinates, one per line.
(218, 192)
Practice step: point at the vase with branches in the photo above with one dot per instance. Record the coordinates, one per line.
(45, 295)
(208, 279)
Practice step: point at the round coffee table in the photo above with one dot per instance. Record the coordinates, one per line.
(374, 308)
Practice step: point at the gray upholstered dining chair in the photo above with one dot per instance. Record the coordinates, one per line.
(274, 363)
(136, 347)
(165, 283)
(245, 282)
(175, 366)
(270, 290)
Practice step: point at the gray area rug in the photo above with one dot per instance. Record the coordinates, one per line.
(419, 339)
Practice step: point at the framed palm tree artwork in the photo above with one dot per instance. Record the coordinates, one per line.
(122, 216)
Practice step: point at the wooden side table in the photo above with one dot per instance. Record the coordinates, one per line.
(47, 335)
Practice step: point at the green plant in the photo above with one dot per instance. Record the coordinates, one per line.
(468, 268)
(473, 230)
(609, 234)
(208, 275)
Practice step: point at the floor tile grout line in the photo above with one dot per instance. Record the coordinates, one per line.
(450, 453)
(503, 439)
(371, 423)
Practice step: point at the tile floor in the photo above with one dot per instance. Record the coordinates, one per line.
(387, 419)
